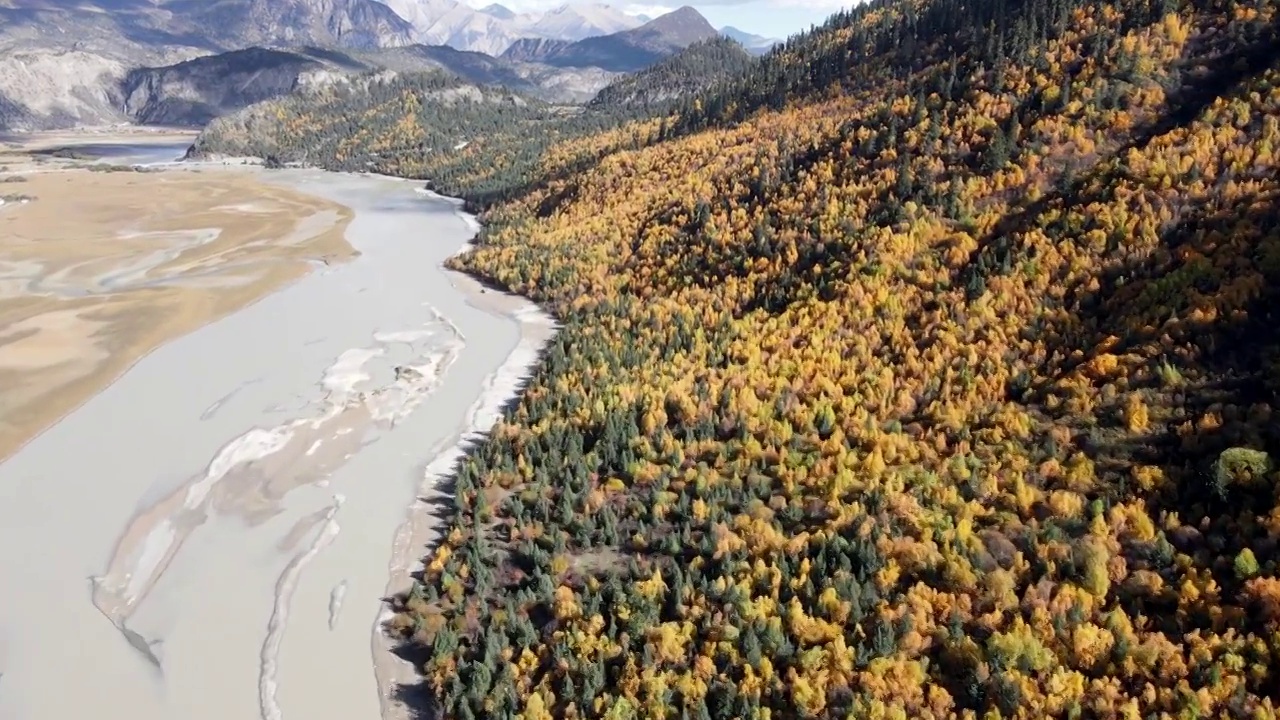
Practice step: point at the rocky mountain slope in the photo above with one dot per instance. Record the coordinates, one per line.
(502, 12)
(64, 64)
(193, 92)
(146, 25)
(549, 83)
(534, 49)
(196, 91)
(107, 61)
(580, 21)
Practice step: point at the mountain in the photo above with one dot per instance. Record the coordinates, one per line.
(499, 11)
(225, 24)
(925, 369)
(448, 112)
(448, 22)
(535, 49)
(551, 84)
(625, 51)
(696, 68)
(493, 29)
(754, 44)
(579, 21)
(355, 24)
(62, 64)
(676, 30)
(194, 92)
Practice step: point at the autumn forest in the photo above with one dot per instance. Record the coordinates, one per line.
(923, 368)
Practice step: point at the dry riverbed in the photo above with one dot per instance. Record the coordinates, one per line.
(97, 268)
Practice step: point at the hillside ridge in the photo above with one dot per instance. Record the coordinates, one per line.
(925, 368)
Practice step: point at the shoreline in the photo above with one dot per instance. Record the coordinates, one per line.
(420, 531)
(199, 490)
(263, 478)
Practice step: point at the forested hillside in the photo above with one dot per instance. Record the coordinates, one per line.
(413, 124)
(697, 68)
(482, 143)
(926, 371)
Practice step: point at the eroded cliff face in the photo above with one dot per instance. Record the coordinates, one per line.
(58, 88)
(194, 92)
(354, 24)
(62, 65)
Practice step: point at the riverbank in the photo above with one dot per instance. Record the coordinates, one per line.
(235, 496)
(421, 529)
(99, 268)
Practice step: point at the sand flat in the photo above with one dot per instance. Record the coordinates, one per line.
(101, 267)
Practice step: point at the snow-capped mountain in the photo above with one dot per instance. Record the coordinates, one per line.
(502, 12)
(493, 29)
(576, 22)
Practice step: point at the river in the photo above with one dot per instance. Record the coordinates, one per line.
(210, 537)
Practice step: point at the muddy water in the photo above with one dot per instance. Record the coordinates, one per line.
(209, 536)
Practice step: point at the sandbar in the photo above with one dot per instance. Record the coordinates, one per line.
(99, 267)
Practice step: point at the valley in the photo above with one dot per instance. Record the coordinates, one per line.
(924, 366)
(257, 372)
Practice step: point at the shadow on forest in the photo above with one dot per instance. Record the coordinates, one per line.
(1229, 368)
(1227, 365)
(1223, 75)
(477, 201)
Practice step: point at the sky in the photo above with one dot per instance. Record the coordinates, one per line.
(769, 18)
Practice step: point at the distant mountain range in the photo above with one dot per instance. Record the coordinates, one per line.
(182, 61)
(625, 51)
(754, 44)
(194, 92)
(493, 29)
